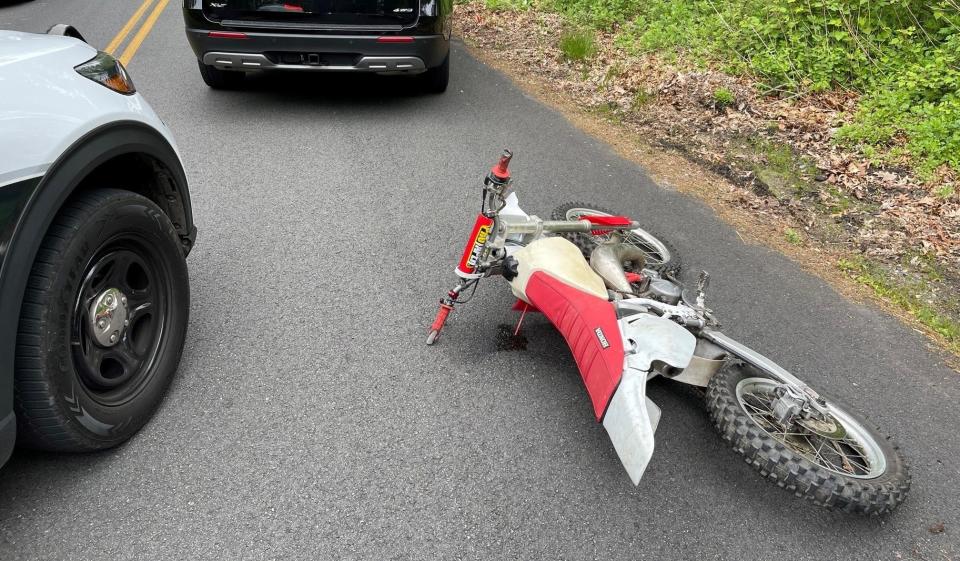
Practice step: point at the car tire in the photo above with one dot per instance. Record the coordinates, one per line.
(74, 389)
(220, 79)
(435, 80)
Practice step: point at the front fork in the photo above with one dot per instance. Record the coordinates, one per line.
(466, 270)
(446, 306)
(495, 187)
(757, 360)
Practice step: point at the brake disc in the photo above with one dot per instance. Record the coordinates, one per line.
(827, 427)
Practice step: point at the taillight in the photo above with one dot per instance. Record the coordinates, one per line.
(107, 71)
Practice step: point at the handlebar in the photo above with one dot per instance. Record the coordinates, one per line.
(501, 171)
(534, 225)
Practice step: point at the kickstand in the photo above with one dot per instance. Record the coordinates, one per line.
(523, 314)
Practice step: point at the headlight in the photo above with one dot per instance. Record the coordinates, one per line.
(107, 71)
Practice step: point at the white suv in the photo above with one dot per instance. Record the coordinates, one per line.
(95, 225)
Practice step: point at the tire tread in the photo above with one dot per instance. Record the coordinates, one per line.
(788, 470)
(41, 422)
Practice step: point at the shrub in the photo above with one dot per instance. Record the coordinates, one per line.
(792, 236)
(577, 45)
(723, 97)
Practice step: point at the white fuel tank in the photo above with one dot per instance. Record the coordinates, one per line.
(560, 259)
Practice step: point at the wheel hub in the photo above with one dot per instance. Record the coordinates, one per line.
(108, 317)
(833, 440)
(827, 427)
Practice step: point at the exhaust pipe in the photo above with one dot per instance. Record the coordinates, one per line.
(607, 260)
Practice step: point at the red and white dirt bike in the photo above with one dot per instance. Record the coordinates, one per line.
(611, 289)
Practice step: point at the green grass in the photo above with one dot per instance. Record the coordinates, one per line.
(792, 236)
(775, 164)
(723, 97)
(906, 296)
(902, 55)
(508, 5)
(945, 192)
(613, 71)
(643, 97)
(839, 203)
(578, 45)
(608, 112)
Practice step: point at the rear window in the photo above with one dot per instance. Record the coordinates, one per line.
(340, 12)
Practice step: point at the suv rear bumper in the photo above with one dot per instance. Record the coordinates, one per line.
(244, 61)
(283, 51)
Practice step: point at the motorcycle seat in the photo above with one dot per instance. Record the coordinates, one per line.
(555, 281)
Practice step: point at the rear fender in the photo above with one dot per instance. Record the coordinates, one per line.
(631, 417)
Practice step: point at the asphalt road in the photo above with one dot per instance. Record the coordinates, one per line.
(309, 420)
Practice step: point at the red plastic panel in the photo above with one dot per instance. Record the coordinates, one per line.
(471, 253)
(589, 325)
(607, 220)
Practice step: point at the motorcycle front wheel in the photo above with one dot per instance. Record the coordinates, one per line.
(661, 256)
(841, 463)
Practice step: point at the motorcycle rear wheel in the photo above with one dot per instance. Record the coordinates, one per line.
(858, 470)
(661, 255)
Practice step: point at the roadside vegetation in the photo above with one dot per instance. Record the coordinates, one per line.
(903, 56)
(577, 45)
(839, 119)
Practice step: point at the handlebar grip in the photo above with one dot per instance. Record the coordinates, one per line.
(501, 171)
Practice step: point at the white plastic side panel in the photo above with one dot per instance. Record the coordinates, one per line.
(631, 417)
(46, 106)
(654, 338)
(511, 207)
(630, 422)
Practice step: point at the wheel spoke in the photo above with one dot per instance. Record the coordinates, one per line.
(653, 255)
(121, 271)
(138, 305)
(125, 354)
(848, 456)
(97, 280)
(94, 355)
(115, 268)
(817, 453)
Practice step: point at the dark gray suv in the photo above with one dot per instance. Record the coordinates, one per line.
(233, 37)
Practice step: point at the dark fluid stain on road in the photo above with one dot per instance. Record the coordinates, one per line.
(507, 341)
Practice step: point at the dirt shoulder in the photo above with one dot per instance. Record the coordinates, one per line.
(766, 165)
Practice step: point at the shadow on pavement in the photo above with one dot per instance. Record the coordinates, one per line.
(334, 86)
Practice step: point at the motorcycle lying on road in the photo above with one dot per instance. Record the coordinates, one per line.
(611, 288)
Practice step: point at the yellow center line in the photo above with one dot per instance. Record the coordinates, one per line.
(142, 34)
(115, 42)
